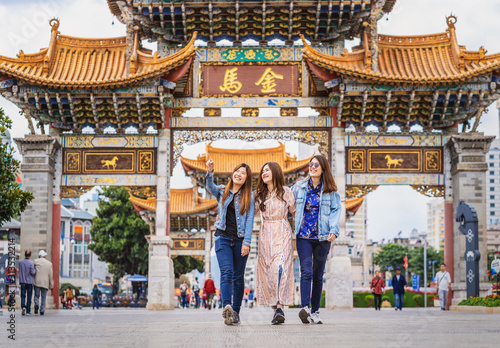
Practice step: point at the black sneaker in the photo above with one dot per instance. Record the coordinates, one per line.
(42, 313)
(236, 318)
(279, 317)
(227, 314)
(36, 309)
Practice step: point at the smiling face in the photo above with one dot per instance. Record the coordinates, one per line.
(267, 175)
(240, 176)
(315, 169)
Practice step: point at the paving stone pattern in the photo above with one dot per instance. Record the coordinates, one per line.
(201, 328)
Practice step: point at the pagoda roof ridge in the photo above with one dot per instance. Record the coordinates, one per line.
(212, 149)
(73, 62)
(418, 59)
(182, 201)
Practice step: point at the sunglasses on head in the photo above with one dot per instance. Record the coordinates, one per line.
(313, 164)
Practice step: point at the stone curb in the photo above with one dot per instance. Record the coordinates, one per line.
(475, 309)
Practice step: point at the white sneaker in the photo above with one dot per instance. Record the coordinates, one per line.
(315, 319)
(227, 314)
(305, 314)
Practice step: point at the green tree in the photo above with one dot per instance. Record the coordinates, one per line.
(118, 234)
(13, 200)
(390, 255)
(185, 264)
(416, 262)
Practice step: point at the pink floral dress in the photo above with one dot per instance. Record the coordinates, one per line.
(275, 277)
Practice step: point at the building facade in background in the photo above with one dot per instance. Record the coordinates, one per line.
(435, 223)
(493, 184)
(79, 265)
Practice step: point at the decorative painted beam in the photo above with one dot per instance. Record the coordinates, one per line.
(228, 102)
(251, 122)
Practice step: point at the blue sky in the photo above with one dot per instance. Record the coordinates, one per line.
(25, 26)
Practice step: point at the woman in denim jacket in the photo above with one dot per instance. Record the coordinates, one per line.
(316, 226)
(233, 235)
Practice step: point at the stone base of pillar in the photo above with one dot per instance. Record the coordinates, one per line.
(460, 291)
(338, 286)
(49, 302)
(161, 279)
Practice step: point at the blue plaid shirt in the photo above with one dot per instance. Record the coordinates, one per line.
(309, 227)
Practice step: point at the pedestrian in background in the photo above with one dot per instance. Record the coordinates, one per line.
(399, 284)
(250, 298)
(95, 297)
(26, 274)
(43, 281)
(377, 286)
(209, 290)
(443, 280)
(184, 287)
(196, 291)
(69, 297)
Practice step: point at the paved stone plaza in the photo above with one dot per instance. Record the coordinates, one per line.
(200, 328)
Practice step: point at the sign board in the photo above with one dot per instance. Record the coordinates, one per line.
(495, 266)
(259, 80)
(415, 282)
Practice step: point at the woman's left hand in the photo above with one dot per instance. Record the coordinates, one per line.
(332, 237)
(245, 249)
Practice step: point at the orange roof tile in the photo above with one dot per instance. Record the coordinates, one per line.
(353, 204)
(226, 160)
(73, 62)
(181, 202)
(424, 59)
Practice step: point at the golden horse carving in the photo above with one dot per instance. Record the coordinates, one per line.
(108, 142)
(393, 162)
(112, 163)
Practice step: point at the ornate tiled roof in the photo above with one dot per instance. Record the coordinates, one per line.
(226, 160)
(423, 59)
(71, 62)
(182, 201)
(352, 205)
(216, 20)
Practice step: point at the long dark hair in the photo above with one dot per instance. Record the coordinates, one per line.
(278, 183)
(245, 190)
(327, 179)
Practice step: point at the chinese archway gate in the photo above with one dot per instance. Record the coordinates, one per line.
(77, 83)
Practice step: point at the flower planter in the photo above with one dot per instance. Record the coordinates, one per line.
(476, 309)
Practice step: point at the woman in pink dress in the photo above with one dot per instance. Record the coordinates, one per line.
(275, 277)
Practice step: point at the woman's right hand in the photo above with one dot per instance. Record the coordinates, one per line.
(210, 164)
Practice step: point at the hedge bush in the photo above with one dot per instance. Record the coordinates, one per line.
(389, 296)
(355, 300)
(419, 300)
(370, 300)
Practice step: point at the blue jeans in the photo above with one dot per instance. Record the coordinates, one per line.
(312, 257)
(26, 293)
(399, 300)
(184, 301)
(232, 271)
(197, 298)
(95, 303)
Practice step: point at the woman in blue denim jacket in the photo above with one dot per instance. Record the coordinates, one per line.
(316, 226)
(233, 235)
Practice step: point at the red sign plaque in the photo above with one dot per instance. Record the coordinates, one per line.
(274, 80)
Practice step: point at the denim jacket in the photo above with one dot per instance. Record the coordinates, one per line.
(329, 212)
(244, 222)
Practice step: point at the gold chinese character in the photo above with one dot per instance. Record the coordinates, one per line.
(250, 54)
(230, 81)
(267, 81)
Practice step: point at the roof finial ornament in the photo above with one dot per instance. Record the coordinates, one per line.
(451, 20)
(54, 23)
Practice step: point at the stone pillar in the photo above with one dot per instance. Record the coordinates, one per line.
(161, 268)
(449, 214)
(38, 168)
(338, 276)
(468, 167)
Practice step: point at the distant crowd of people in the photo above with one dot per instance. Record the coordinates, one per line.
(399, 285)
